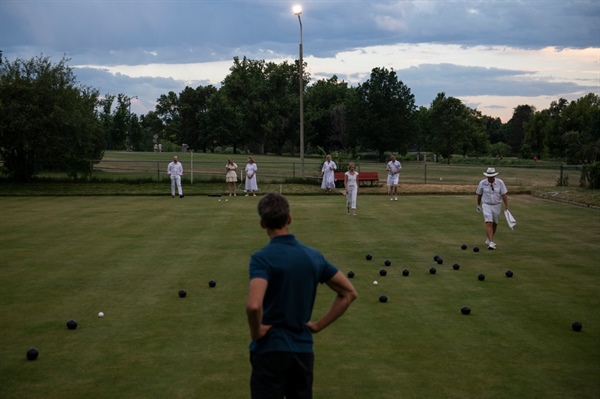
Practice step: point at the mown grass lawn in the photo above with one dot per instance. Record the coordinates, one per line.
(67, 258)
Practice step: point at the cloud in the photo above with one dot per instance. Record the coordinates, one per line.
(483, 50)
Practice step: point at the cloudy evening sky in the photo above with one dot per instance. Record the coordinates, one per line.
(493, 55)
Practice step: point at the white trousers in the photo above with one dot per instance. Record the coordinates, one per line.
(176, 182)
(351, 193)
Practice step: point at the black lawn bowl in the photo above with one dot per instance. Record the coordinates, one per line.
(436, 257)
(383, 272)
(475, 249)
(456, 266)
(32, 354)
(481, 277)
(440, 261)
(212, 283)
(405, 272)
(432, 270)
(509, 273)
(463, 247)
(182, 293)
(369, 256)
(72, 324)
(387, 262)
(383, 299)
(465, 310)
(350, 274)
(576, 326)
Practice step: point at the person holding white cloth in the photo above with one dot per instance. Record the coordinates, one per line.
(175, 170)
(351, 186)
(491, 192)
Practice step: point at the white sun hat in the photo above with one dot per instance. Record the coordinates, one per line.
(491, 172)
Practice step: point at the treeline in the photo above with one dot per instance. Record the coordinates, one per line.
(45, 114)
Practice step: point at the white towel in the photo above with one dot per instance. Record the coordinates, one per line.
(510, 219)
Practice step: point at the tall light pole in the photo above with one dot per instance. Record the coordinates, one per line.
(298, 11)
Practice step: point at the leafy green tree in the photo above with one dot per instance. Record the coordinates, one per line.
(204, 96)
(192, 102)
(151, 127)
(263, 96)
(383, 113)
(494, 129)
(325, 116)
(521, 115)
(535, 133)
(220, 123)
(582, 138)
(421, 129)
(499, 150)
(138, 141)
(454, 127)
(282, 95)
(244, 86)
(167, 109)
(47, 119)
(555, 129)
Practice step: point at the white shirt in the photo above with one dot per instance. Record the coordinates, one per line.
(352, 179)
(175, 169)
(394, 167)
(491, 193)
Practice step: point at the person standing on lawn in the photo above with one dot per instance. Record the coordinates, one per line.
(328, 174)
(284, 276)
(491, 192)
(175, 170)
(393, 169)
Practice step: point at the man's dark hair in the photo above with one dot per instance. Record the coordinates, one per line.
(274, 210)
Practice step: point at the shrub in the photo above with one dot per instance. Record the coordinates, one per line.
(594, 175)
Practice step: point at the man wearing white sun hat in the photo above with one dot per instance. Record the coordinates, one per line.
(491, 192)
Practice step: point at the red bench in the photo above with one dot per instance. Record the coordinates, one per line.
(362, 177)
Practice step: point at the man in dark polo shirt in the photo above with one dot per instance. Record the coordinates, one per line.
(284, 276)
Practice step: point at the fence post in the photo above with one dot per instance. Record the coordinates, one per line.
(560, 183)
(294, 172)
(157, 171)
(425, 173)
(192, 166)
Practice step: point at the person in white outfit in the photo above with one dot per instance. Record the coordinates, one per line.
(175, 170)
(491, 192)
(351, 186)
(328, 173)
(231, 176)
(251, 186)
(393, 169)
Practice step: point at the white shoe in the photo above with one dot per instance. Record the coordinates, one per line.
(491, 245)
(395, 198)
(391, 199)
(246, 195)
(487, 242)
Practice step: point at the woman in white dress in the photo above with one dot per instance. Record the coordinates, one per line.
(328, 173)
(351, 186)
(231, 176)
(251, 185)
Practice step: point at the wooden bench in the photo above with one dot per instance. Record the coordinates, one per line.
(372, 177)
